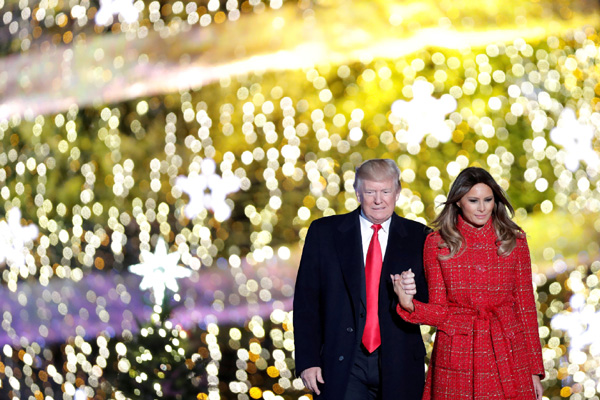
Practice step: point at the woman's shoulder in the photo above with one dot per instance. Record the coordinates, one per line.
(433, 239)
(521, 236)
(521, 240)
(435, 246)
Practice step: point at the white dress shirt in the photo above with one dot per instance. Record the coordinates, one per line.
(366, 232)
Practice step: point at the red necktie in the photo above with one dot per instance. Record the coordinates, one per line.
(371, 336)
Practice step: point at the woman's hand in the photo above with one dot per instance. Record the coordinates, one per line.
(405, 288)
(537, 386)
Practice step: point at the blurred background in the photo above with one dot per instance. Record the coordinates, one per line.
(160, 162)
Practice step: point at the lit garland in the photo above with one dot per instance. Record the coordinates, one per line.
(103, 182)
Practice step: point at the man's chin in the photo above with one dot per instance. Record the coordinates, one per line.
(378, 219)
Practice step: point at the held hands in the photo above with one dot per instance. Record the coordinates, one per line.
(310, 377)
(537, 386)
(406, 288)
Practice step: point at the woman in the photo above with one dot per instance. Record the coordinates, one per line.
(480, 298)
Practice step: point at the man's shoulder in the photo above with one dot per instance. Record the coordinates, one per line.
(333, 220)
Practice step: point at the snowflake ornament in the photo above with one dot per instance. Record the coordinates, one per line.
(109, 8)
(14, 238)
(582, 325)
(576, 140)
(425, 114)
(208, 190)
(159, 271)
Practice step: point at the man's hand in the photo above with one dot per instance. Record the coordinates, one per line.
(406, 288)
(537, 386)
(310, 377)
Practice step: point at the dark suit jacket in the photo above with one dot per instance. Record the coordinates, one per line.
(329, 309)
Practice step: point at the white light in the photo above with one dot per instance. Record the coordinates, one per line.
(583, 184)
(284, 253)
(109, 8)
(541, 185)
(582, 325)
(576, 140)
(197, 185)
(14, 238)
(80, 394)
(356, 134)
(538, 144)
(304, 213)
(425, 114)
(494, 103)
(514, 91)
(121, 349)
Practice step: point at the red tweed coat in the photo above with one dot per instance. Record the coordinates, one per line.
(487, 344)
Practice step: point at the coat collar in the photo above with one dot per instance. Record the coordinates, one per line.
(469, 232)
(348, 246)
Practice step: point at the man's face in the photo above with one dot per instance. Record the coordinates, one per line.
(378, 199)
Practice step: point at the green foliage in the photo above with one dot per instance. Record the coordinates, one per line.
(159, 362)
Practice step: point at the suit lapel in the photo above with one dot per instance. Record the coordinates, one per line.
(396, 247)
(348, 246)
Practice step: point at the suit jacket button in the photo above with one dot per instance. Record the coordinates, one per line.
(341, 358)
(362, 314)
(349, 329)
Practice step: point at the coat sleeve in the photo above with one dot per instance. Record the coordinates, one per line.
(307, 304)
(526, 309)
(433, 313)
(422, 290)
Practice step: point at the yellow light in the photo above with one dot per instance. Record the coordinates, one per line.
(255, 393)
(273, 372)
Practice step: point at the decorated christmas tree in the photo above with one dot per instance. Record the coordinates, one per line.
(185, 147)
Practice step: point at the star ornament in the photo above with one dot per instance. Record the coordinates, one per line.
(208, 190)
(576, 141)
(109, 8)
(14, 238)
(425, 114)
(159, 271)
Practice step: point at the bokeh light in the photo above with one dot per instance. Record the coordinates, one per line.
(214, 132)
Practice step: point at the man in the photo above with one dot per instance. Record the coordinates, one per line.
(350, 343)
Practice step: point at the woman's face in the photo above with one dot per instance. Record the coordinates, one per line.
(477, 205)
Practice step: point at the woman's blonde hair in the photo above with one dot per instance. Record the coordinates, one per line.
(446, 222)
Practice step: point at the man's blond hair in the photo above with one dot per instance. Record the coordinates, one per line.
(377, 169)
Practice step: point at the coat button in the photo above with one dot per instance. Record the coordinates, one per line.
(349, 329)
(341, 358)
(362, 314)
